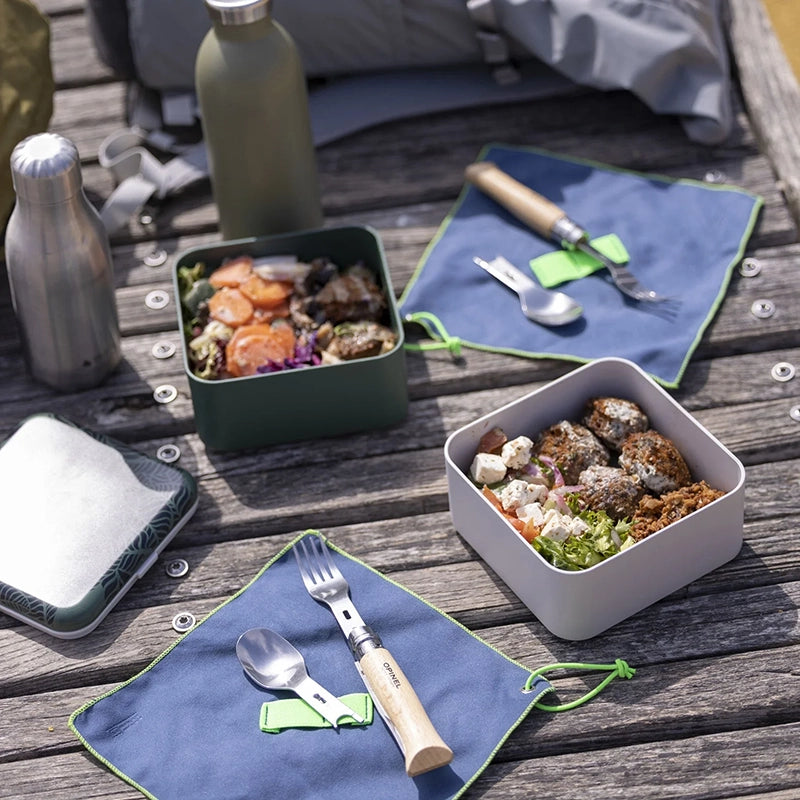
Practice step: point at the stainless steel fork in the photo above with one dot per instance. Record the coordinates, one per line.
(395, 699)
(624, 279)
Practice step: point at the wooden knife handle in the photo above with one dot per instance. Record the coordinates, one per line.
(528, 206)
(422, 746)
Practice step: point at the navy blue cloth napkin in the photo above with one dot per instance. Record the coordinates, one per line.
(188, 725)
(684, 239)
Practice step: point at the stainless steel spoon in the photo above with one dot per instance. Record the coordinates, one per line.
(538, 304)
(274, 663)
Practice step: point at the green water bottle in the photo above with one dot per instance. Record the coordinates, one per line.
(254, 112)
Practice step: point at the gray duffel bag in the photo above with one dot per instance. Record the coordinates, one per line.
(670, 53)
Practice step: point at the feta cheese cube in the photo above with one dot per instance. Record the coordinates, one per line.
(518, 493)
(558, 528)
(517, 452)
(551, 513)
(533, 513)
(487, 468)
(579, 526)
(535, 493)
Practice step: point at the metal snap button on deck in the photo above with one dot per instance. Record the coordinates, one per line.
(156, 299)
(168, 453)
(156, 257)
(177, 568)
(715, 176)
(782, 371)
(794, 413)
(763, 309)
(163, 350)
(749, 268)
(183, 622)
(165, 393)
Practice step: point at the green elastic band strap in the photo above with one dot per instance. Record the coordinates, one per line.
(436, 330)
(279, 715)
(619, 669)
(569, 264)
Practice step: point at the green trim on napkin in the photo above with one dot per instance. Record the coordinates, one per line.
(278, 715)
(561, 266)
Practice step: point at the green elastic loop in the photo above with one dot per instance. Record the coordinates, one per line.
(435, 329)
(619, 669)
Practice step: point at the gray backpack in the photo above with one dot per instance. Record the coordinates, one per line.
(371, 61)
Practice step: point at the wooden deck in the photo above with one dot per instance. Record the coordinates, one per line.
(714, 709)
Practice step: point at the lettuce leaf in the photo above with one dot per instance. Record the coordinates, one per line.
(603, 539)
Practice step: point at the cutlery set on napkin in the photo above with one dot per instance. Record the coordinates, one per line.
(273, 663)
(652, 256)
(190, 724)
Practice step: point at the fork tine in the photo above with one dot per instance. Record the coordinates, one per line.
(301, 565)
(305, 563)
(629, 284)
(317, 568)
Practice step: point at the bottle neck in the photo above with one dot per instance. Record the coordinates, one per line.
(244, 33)
(74, 211)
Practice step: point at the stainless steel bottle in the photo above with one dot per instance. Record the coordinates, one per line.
(59, 268)
(254, 111)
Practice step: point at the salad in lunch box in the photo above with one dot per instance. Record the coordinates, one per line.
(254, 316)
(584, 491)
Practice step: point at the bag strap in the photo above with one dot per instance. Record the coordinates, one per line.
(493, 44)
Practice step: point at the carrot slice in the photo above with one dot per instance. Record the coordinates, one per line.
(267, 315)
(264, 293)
(232, 272)
(230, 306)
(252, 346)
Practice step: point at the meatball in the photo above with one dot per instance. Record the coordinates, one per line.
(655, 513)
(353, 340)
(612, 490)
(352, 295)
(656, 461)
(573, 448)
(613, 419)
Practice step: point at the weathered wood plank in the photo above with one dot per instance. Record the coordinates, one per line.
(708, 695)
(770, 91)
(469, 591)
(722, 765)
(72, 52)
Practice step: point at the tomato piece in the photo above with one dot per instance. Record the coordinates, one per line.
(516, 522)
(492, 441)
(264, 293)
(252, 346)
(230, 306)
(232, 272)
(492, 498)
(530, 531)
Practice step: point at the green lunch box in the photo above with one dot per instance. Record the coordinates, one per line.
(311, 402)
